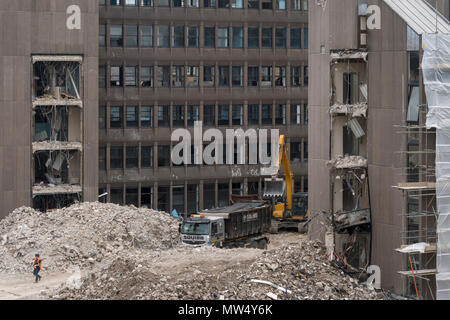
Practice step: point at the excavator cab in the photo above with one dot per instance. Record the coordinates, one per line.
(300, 205)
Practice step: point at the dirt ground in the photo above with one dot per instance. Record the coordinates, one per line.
(168, 263)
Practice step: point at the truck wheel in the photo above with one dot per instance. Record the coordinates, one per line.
(274, 227)
(302, 228)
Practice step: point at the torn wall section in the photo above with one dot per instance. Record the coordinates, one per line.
(436, 74)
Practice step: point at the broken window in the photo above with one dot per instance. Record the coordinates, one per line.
(146, 116)
(116, 157)
(163, 156)
(350, 142)
(209, 115)
(147, 197)
(116, 117)
(116, 76)
(132, 154)
(351, 88)
(280, 76)
(209, 195)
(56, 80)
(178, 116)
(53, 168)
(147, 77)
(163, 116)
(51, 124)
(208, 76)
(147, 157)
(253, 114)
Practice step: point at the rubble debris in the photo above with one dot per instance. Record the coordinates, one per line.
(205, 272)
(81, 235)
(354, 110)
(347, 162)
(349, 54)
(56, 145)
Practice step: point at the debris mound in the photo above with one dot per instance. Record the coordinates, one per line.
(83, 235)
(292, 271)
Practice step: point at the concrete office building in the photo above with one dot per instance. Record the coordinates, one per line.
(166, 63)
(48, 103)
(371, 156)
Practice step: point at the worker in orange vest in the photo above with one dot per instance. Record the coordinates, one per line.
(37, 267)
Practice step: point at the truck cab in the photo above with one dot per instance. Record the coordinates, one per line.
(200, 230)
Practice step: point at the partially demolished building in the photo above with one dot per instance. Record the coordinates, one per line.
(371, 153)
(49, 98)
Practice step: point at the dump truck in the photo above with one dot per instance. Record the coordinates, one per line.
(290, 210)
(242, 224)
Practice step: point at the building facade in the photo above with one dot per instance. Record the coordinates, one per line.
(49, 99)
(165, 64)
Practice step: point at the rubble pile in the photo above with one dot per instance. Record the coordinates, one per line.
(82, 235)
(301, 270)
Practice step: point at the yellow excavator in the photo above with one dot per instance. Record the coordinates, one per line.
(290, 210)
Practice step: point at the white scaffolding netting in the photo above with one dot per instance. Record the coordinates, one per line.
(436, 75)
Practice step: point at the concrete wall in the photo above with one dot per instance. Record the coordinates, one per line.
(39, 27)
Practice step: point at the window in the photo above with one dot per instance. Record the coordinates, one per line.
(131, 2)
(237, 4)
(209, 195)
(222, 37)
(102, 117)
(132, 157)
(253, 37)
(146, 36)
(224, 3)
(280, 76)
(224, 115)
(280, 38)
(146, 116)
(163, 198)
(146, 77)
(210, 37)
(163, 36)
(131, 76)
(351, 88)
(116, 195)
(131, 38)
(305, 75)
(295, 76)
(146, 3)
(267, 4)
(208, 76)
(193, 114)
(266, 77)
(177, 3)
(102, 158)
(163, 3)
(115, 2)
(116, 76)
(266, 114)
(305, 5)
(116, 37)
(177, 76)
(163, 76)
(115, 117)
(237, 116)
(178, 199)
(178, 116)
(116, 157)
(237, 77)
(178, 36)
(163, 156)
(102, 35)
(238, 37)
(253, 76)
(280, 114)
(209, 3)
(131, 197)
(132, 117)
(305, 114)
(224, 195)
(192, 37)
(163, 116)
(296, 5)
(224, 76)
(296, 152)
(305, 151)
(102, 76)
(305, 38)
(146, 197)
(281, 4)
(192, 3)
(266, 37)
(147, 157)
(209, 115)
(192, 198)
(296, 110)
(253, 114)
(253, 4)
(192, 74)
(296, 35)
